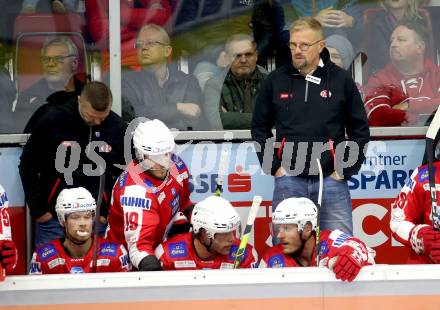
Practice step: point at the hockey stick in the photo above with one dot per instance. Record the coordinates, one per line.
(430, 138)
(247, 231)
(222, 170)
(318, 229)
(97, 222)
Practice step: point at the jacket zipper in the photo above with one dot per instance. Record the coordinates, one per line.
(307, 91)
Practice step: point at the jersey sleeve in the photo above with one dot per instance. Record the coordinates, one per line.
(122, 263)
(141, 218)
(182, 173)
(5, 224)
(407, 210)
(5, 221)
(35, 265)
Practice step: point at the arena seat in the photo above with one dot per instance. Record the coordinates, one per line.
(30, 32)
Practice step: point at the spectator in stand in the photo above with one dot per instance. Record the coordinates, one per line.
(230, 96)
(214, 64)
(406, 91)
(134, 14)
(336, 17)
(92, 134)
(341, 50)
(379, 30)
(59, 59)
(159, 90)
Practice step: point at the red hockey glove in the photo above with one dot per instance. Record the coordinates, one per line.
(8, 255)
(350, 259)
(422, 237)
(435, 252)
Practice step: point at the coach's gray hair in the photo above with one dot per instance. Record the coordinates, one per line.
(60, 40)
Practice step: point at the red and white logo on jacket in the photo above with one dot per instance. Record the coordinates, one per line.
(325, 93)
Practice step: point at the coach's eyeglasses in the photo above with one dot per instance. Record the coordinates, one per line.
(56, 59)
(148, 43)
(302, 46)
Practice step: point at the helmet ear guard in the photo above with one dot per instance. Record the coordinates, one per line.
(215, 215)
(72, 200)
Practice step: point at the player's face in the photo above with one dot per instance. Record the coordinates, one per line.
(243, 58)
(305, 59)
(79, 226)
(152, 48)
(158, 165)
(90, 115)
(403, 46)
(58, 64)
(223, 241)
(289, 237)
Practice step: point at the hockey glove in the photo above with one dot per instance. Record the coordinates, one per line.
(8, 255)
(422, 237)
(350, 259)
(150, 263)
(435, 252)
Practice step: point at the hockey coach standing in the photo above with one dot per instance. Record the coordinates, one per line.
(317, 112)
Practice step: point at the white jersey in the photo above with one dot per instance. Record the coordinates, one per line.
(5, 223)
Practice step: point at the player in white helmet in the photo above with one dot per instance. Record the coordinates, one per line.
(213, 242)
(8, 250)
(150, 197)
(294, 223)
(75, 210)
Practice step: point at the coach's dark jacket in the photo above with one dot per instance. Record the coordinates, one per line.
(323, 111)
(63, 125)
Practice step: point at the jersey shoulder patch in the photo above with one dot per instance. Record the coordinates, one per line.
(108, 249)
(276, 261)
(122, 180)
(47, 251)
(178, 249)
(180, 164)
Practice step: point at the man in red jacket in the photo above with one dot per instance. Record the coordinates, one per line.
(406, 91)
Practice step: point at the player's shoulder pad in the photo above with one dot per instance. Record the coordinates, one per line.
(180, 164)
(108, 249)
(47, 251)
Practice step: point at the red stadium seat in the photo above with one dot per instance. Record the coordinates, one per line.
(31, 31)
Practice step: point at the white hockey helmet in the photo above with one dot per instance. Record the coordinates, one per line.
(215, 215)
(72, 200)
(4, 202)
(152, 138)
(299, 211)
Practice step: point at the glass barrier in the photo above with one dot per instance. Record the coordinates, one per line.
(199, 65)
